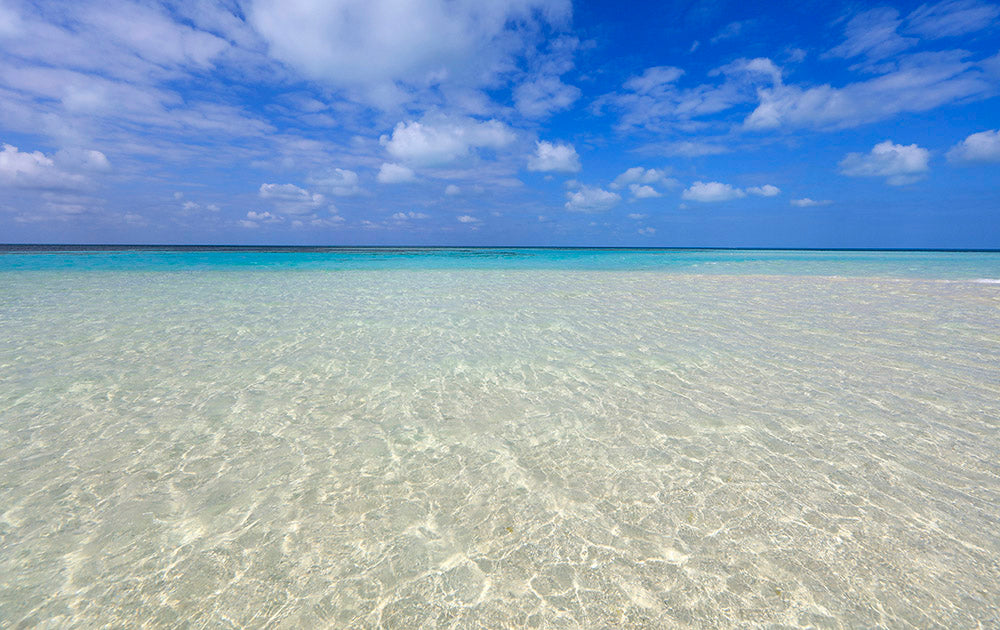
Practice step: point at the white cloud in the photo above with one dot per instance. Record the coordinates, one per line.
(289, 193)
(729, 31)
(452, 189)
(921, 82)
(647, 231)
(83, 160)
(655, 102)
(394, 174)
(951, 18)
(978, 147)
(35, 170)
(689, 148)
(123, 39)
(291, 199)
(653, 79)
(589, 199)
(640, 175)
(767, 190)
(873, 34)
(549, 157)
(101, 69)
(442, 141)
(712, 191)
(544, 96)
(385, 48)
(254, 219)
(465, 218)
(643, 191)
(806, 202)
(333, 220)
(406, 216)
(900, 164)
(339, 181)
(636, 216)
(265, 217)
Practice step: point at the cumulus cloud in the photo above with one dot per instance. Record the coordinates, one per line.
(285, 192)
(806, 202)
(67, 170)
(443, 141)
(406, 216)
(978, 147)
(589, 199)
(639, 181)
(339, 182)
(767, 190)
(385, 48)
(263, 216)
(549, 157)
(899, 164)
(707, 192)
(643, 191)
(717, 191)
(254, 219)
(640, 175)
(452, 189)
(394, 174)
(544, 96)
(83, 160)
(290, 198)
(466, 218)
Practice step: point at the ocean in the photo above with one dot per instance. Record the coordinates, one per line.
(498, 438)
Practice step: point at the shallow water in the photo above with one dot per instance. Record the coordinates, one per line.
(494, 447)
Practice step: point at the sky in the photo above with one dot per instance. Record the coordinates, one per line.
(684, 123)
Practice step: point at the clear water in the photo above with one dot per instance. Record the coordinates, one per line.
(913, 264)
(490, 439)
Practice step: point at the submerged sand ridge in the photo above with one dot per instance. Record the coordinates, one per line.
(490, 448)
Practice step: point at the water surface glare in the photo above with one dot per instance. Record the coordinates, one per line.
(469, 447)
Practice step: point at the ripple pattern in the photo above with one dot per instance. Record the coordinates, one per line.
(498, 449)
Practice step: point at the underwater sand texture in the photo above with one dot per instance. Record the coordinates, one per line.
(498, 449)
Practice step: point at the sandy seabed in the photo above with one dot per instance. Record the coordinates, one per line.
(498, 449)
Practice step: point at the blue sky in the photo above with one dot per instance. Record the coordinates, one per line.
(524, 122)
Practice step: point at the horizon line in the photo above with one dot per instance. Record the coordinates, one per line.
(556, 247)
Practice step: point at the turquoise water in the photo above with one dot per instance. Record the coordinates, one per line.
(499, 439)
(912, 264)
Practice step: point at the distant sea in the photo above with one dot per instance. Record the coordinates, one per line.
(498, 438)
